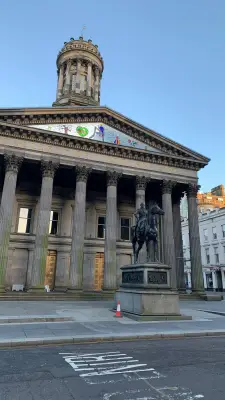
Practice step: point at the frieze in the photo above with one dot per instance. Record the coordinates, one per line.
(103, 148)
(133, 277)
(157, 278)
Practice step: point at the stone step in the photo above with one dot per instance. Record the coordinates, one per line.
(85, 296)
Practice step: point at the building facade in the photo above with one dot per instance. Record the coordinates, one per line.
(212, 237)
(71, 177)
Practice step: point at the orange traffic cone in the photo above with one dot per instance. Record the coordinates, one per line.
(118, 311)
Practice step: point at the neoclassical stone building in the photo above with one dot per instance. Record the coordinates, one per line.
(71, 178)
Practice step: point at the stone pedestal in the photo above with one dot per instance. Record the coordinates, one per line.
(145, 293)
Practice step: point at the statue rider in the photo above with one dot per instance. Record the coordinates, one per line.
(141, 216)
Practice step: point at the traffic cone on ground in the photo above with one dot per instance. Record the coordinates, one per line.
(118, 311)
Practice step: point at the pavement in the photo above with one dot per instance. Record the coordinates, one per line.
(181, 369)
(27, 323)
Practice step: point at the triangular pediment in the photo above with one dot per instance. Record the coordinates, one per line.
(98, 132)
(104, 127)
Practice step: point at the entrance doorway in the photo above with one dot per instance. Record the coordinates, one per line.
(99, 271)
(50, 269)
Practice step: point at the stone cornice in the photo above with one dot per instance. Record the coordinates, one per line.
(100, 114)
(61, 140)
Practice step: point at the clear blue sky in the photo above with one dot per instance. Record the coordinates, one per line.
(164, 63)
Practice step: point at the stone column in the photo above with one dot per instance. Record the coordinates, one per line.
(12, 165)
(194, 239)
(168, 233)
(111, 231)
(96, 86)
(78, 76)
(42, 231)
(141, 183)
(77, 249)
(89, 79)
(68, 76)
(60, 81)
(179, 256)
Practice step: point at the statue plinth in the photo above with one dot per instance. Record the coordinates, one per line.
(145, 293)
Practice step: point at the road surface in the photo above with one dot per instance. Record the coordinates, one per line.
(185, 369)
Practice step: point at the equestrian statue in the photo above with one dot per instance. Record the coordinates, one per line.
(145, 230)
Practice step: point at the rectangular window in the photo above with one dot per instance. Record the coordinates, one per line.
(54, 222)
(207, 256)
(223, 230)
(125, 228)
(101, 227)
(214, 232)
(24, 222)
(217, 260)
(205, 233)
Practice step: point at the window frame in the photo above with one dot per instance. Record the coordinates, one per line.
(223, 230)
(206, 237)
(216, 254)
(29, 207)
(104, 225)
(58, 224)
(129, 219)
(214, 233)
(207, 256)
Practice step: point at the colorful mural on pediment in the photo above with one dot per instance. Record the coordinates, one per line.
(99, 132)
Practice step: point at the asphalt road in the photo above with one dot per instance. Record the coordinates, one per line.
(186, 369)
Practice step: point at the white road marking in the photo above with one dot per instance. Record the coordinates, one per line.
(104, 364)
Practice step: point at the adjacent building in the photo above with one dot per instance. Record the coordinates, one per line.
(212, 237)
(71, 177)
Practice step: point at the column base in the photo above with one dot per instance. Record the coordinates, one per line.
(37, 289)
(2, 289)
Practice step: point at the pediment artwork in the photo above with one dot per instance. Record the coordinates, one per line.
(98, 132)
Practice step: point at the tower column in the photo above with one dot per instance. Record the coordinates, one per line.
(96, 86)
(60, 81)
(178, 242)
(12, 165)
(111, 231)
(78, 76)
(89, 79)
(68, 77)
(77, 250)
(194, 239)
(48, 169)
(168, 232)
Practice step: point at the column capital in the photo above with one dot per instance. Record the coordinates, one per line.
(141, 182)
(113, 177)
(12, 162)
(48, 168)
(167, 186)
(177, 194)
(192, 189)
(82, 173)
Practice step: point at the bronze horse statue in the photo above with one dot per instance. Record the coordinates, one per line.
(145, 231)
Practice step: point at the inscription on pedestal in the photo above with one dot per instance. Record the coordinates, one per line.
(157, 277)
(133, 277)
